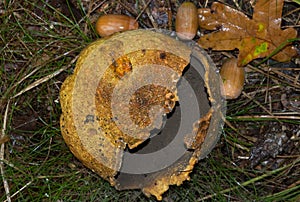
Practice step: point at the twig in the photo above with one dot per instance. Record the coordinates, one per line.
(34, 84)
(129, 9)
(268, 86)
(40, 66)
(90, 7)
(39, 177)
(13, 166)
(256, 102)
(286, 157)
(57, 176)
(252, 93)
(237, 5)
(44, 79)
(252, 139)
(5, 184)
(266, 117)
(294, 184)
(169, 15)
(285, 81)
(237, 145)
(290, 78)
(286, 113)
(22, 188)
(291, 12)
(205, 5)
(148, 13)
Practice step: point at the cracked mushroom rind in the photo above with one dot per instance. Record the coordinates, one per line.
(74, 92)
(102, 152)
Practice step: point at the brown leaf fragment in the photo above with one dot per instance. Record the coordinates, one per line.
(255, 38)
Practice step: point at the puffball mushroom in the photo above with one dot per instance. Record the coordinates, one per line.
(233, 78)
(117, 100)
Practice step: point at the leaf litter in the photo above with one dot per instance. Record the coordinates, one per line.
(255, 38)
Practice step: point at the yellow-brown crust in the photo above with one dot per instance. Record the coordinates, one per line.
(107, 161)
(87, 121)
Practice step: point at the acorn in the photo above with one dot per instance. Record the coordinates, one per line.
(186, 21)
(233, 78)
(109, 24)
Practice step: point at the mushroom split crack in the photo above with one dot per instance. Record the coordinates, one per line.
(141, 113)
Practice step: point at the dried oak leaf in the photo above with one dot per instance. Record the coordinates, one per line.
(255, 38)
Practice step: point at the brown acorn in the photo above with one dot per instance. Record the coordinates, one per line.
(109, 24)
(233, 78)
(186, 21)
